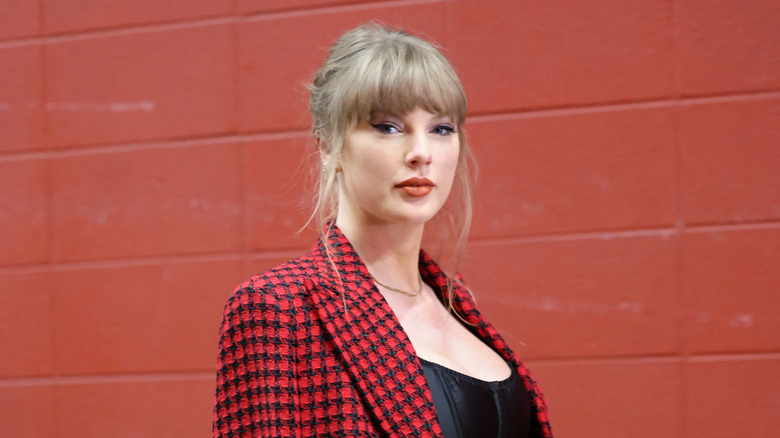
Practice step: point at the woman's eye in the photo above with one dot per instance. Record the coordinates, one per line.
(385, 128)
(443, 130)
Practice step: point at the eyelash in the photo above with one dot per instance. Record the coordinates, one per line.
(383, 128)
(450, 130)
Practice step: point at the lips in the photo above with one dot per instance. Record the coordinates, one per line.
(415, 187)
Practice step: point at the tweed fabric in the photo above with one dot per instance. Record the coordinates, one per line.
(293, 362)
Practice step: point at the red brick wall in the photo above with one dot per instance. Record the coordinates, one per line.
(628, 209)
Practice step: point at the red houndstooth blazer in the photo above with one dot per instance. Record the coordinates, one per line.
(292, 362)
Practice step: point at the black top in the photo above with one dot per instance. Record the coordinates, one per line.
(468, 407)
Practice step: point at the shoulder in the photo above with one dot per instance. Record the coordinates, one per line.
(279, 290)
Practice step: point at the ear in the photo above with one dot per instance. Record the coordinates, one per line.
(324, 150)
(319, 143)
(324, 158)
(321, 148)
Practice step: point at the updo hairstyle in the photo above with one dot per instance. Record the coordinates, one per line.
(374, 70)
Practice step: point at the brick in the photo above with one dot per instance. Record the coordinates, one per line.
(279, 56)
(248, 6)
(147, 318)
(731, 161)
(179, 200)
(542, 54)
(21, 115)
(260, 263)
(633, 398)
(279, 193)
(743, 396)
(76, 15)
(575, 172)
(159, 408)
(25, 324)
(610, 295)
(24, 231)
(274, 224)
(141, 86)
(728, 46)
(25, 411)
(731, 282)
(18, 18)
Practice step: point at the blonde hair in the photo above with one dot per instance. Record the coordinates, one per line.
(375, 70)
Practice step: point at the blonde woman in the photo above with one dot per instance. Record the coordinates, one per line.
(366, 335)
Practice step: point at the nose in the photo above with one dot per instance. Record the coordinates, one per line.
(419, 151)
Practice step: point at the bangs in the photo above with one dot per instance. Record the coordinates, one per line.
(396, 79)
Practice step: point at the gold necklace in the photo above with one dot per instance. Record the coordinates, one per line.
(400, 291)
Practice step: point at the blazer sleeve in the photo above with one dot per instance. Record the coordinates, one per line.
(256, 392)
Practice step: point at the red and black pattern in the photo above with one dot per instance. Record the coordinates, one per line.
(292, 362)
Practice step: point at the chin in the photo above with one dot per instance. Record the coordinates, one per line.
(421, 217)
(411, 213)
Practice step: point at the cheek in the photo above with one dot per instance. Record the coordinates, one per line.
(447, 170)
(371, 164)
(451, 162)
(365, 175)
(360, 156)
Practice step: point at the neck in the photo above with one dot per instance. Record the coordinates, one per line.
(390, 251)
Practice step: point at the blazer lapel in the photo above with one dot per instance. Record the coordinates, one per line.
(376, 351)
(464, 305)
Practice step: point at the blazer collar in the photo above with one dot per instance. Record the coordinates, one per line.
(375, 349)
(351, 269)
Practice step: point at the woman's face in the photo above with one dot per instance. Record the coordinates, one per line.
(397, 169)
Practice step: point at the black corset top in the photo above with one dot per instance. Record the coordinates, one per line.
(468, 407)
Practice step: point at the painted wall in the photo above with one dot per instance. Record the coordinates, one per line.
(628, 208)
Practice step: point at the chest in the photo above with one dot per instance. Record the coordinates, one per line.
(438, 335)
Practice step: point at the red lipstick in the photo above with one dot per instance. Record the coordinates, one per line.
(415, 187)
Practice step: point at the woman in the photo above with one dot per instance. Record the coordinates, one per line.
(366, 335)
